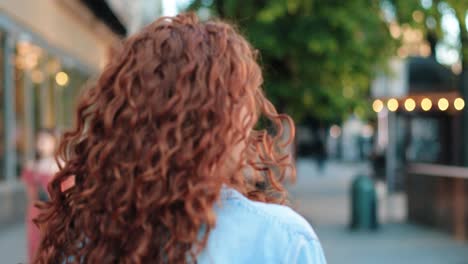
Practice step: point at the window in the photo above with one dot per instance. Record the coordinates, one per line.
(43, 95)
(27, 63)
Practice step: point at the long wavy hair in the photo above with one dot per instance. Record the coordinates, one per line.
(171, 120)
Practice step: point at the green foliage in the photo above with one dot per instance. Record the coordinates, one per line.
(432, 18)
(319, 56)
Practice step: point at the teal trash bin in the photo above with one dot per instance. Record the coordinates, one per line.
(363, 204)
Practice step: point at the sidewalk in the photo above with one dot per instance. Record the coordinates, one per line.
(13, 244)
(323, 199)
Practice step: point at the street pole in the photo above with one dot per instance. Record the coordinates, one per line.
(9, 113)
(391, 162)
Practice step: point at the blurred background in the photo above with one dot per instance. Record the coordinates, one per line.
(377, 89)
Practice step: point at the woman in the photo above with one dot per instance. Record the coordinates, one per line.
(166, 164)
(36, 175)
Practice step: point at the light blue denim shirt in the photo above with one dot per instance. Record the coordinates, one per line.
(253, 232)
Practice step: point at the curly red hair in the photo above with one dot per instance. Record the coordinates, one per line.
(153, 146)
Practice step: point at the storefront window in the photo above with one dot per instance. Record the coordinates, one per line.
(49, 94)
(424, 140)
(45, 95)
(27, 61)
(73, 81)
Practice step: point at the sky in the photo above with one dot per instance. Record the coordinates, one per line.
(170, 7)
(447, 52)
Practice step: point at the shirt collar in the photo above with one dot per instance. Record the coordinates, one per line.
(228, 193)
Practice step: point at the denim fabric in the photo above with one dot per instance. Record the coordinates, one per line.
(252, 232)
(249, 232)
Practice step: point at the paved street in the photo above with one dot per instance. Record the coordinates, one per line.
(322, 198)
(13, 244)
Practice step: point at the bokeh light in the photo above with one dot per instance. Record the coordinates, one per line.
(377, 106)
(426, 104)
(392, 105)
(443, 104)
(61, 78)
(410, 104)
(459, 104)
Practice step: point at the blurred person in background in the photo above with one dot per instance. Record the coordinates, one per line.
(160, 154)
(320, 154)
(36, 175)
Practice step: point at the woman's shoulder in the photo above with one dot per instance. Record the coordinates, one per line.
(279, 218)
(264, 233)
(285, 218)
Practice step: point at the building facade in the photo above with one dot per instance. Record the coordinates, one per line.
(49, 51)
(420, 119)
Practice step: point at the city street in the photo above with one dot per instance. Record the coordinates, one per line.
(13, 244)
(323, 199)
(375, 89)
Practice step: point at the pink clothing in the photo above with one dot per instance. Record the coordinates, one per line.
(32, 232)
(36, 179)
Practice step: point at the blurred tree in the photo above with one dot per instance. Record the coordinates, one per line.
(428, 15)
(319, 56)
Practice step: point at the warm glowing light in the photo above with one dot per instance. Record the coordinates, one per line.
(426, 104)
(61, 78)
(395, 30)
(410, 104)
(459, 103)
(377, 106)
(28, 55)
(392, 105)
(443, 104)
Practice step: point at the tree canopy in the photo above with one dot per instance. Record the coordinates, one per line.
(427, 15)
(319, 56)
